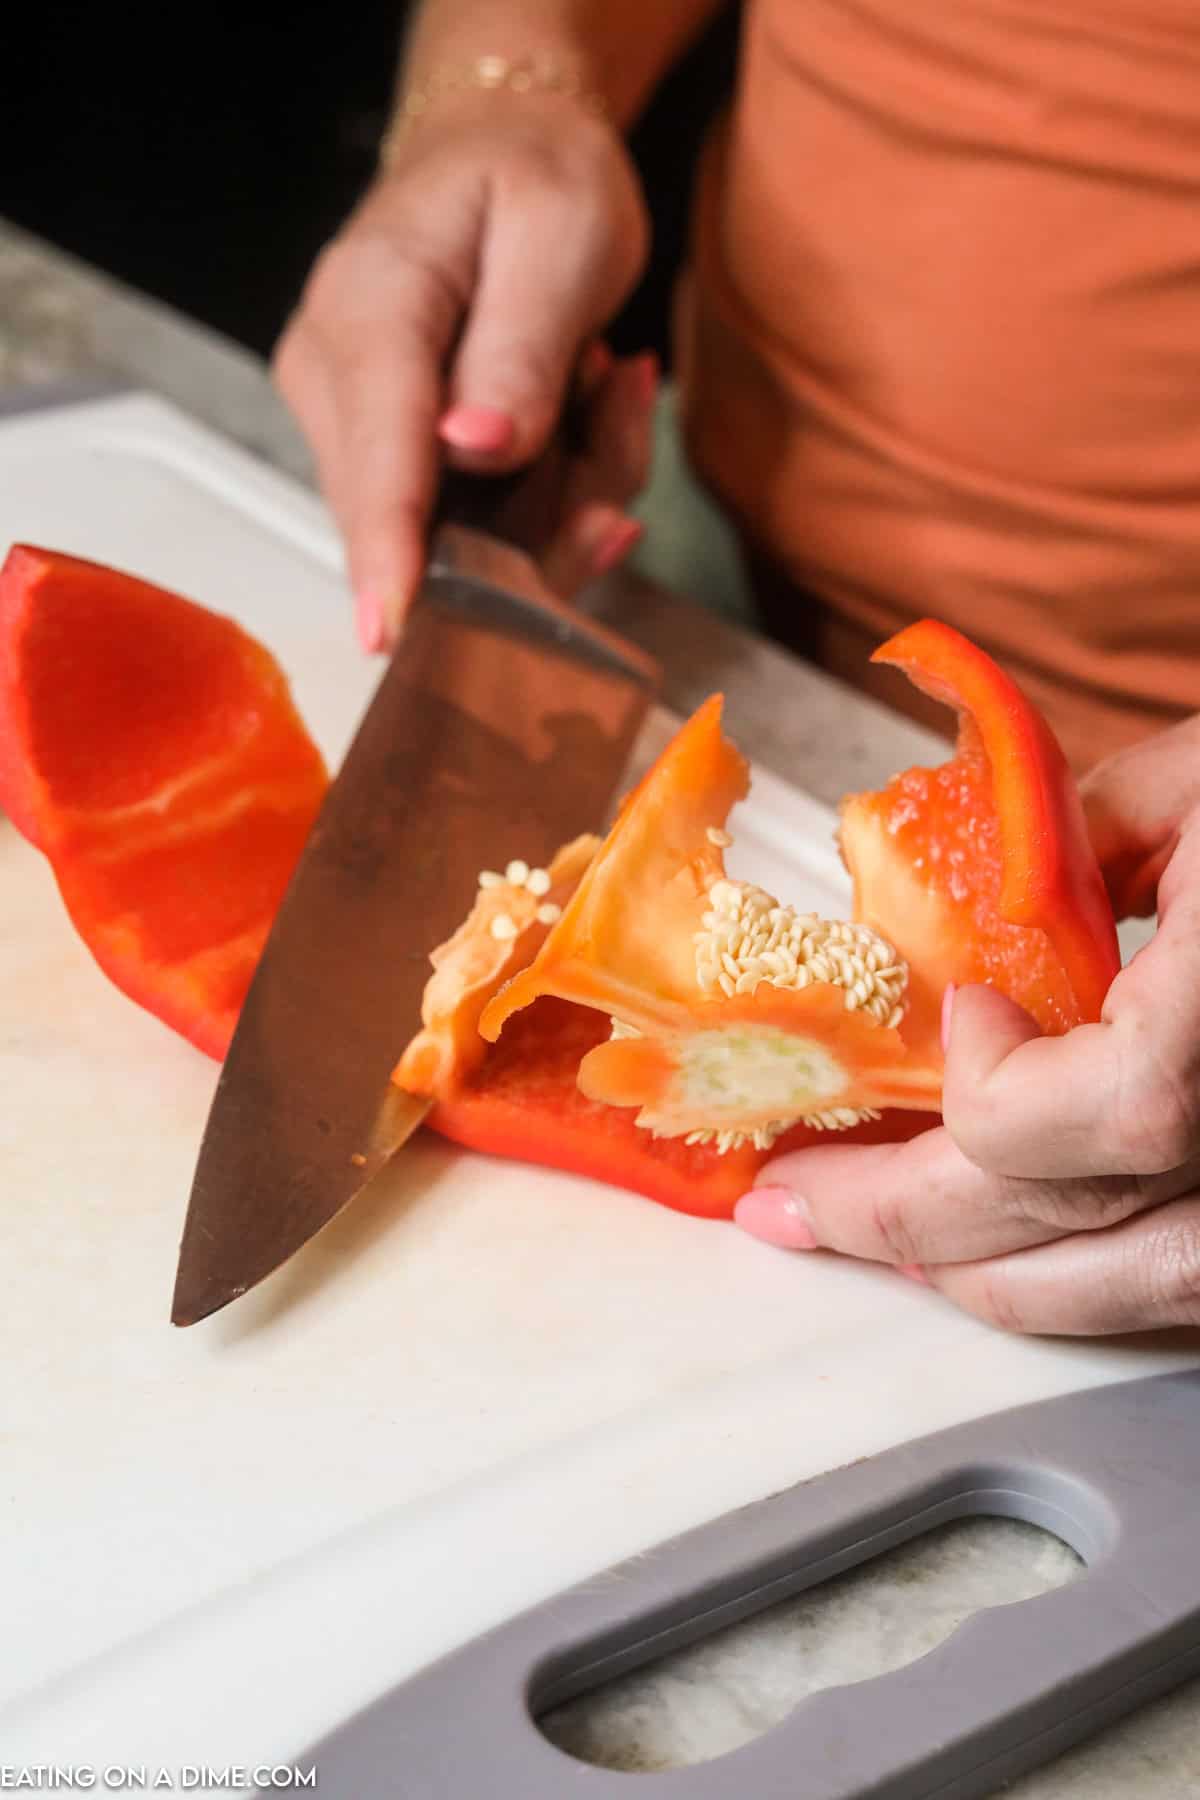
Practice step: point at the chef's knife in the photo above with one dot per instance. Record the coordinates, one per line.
(500, 729)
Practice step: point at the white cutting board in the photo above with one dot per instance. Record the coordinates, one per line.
(482, 1383)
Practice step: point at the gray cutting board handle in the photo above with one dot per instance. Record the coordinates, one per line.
(1114, 1471)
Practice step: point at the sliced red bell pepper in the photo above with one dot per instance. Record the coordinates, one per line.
(524, 1102)
(733, 1014)
(151, 749)
(981, 870)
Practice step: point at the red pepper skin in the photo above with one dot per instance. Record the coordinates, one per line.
(151, 750)
(524, 1103)
(1050, 878)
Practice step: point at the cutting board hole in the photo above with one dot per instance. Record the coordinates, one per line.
(736, 1684)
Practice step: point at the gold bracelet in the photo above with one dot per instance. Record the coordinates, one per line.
(543, 74)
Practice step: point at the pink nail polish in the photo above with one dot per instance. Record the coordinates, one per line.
(777, 1216)
(370, 622)
(947, 1012)
(615, 546)
(484, 429)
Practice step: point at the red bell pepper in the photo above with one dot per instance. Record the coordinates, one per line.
(151, 749)
(981, 870)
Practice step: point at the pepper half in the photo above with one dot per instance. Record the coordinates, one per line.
(982, 870)
(151, 750)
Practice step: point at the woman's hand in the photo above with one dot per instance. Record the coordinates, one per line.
(1062, 1194)
(447, 317)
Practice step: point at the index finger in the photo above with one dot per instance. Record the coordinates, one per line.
(924, 1203)
(385, 366)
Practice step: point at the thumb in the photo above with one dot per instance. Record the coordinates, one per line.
(981, 1029)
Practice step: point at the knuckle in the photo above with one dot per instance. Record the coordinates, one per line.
(1081, 1204)
(975, 1119)
(365, 276)
(593, 215)
(1160, 1121)
(527, 369)
(1173, 1271)
(891, 1228)
(592, 212)
(421, 293)
(997, 1305)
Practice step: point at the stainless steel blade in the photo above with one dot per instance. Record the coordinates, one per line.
(500, 729)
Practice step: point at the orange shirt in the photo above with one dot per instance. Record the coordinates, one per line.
(940, 343)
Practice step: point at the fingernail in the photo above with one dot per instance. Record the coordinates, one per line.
(482, 428)
(777, 1216)
(370, 622)
(615, 546)
(913, 1272)
(947, 1011)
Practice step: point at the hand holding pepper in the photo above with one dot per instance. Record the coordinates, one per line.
(1062, 1194)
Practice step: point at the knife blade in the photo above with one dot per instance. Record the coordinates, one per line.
(499, 730)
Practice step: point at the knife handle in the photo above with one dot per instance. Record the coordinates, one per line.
(524, 506)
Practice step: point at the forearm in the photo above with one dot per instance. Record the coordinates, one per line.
(619, 48)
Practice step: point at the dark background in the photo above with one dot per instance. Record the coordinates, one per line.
(205, 154)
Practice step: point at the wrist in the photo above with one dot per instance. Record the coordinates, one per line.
(559, 109)
(484, 84)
